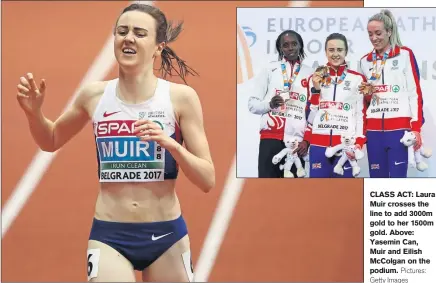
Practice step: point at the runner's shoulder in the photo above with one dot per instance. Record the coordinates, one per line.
(273, 64)
(94, 88)
(91, 90)
(182, 92)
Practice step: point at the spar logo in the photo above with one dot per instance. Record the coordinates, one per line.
(334, 105)
(292, 95)
(386, 88)
(159, 123)
(297, 96)
(115, 128)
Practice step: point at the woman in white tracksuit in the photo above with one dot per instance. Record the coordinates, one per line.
(338, 109)
(395, 102)
(279, 96)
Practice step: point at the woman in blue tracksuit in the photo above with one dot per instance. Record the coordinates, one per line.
(394, 101)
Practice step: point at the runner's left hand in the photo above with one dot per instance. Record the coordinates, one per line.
(148, 130)
(351, 155)
(418, 142)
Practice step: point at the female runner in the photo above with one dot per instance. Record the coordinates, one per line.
(139, 121)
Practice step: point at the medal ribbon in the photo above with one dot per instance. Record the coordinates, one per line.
(328, 80)
(377, 73)
(287, 83)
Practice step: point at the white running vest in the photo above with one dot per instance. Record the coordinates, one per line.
(121, 156)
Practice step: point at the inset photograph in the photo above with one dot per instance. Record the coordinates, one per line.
(335, 93)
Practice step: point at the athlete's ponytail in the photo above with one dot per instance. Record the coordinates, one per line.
(395, 36)
(172, 32)
(387, 18)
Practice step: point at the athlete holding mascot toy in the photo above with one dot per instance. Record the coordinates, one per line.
(337, 115)
(394, 98)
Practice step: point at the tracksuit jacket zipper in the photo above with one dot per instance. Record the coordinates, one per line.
(334, 99)
(383, 114)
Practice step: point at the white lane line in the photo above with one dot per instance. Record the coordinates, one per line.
(1, 244)
(220, 222)
(99, 69)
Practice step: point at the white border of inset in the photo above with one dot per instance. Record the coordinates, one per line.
(398, 4)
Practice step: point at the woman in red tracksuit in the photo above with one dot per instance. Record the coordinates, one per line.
(395, 100)
(279, 96)
(340, 110)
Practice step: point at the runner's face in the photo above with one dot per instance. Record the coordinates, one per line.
(135, 31)
(290, 47)
(378, 35)
(336, 52)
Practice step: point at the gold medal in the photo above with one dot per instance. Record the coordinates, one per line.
(322, 70)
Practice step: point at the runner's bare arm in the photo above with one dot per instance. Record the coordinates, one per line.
(49, 135)
(195, 160)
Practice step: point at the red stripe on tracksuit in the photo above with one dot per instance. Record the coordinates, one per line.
(416, 125)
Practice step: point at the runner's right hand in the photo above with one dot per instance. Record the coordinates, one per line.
(29, 95)
(276, 101)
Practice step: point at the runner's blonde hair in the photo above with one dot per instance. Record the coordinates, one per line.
(387, 18)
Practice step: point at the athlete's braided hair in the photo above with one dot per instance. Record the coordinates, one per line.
(165, 32)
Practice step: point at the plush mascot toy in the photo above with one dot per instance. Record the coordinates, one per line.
(291, 158)
(415, 156)
(348, 144)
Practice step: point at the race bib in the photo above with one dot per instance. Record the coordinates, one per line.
(124, 157)
(293, 105)
(93, 258)
(335, 115)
